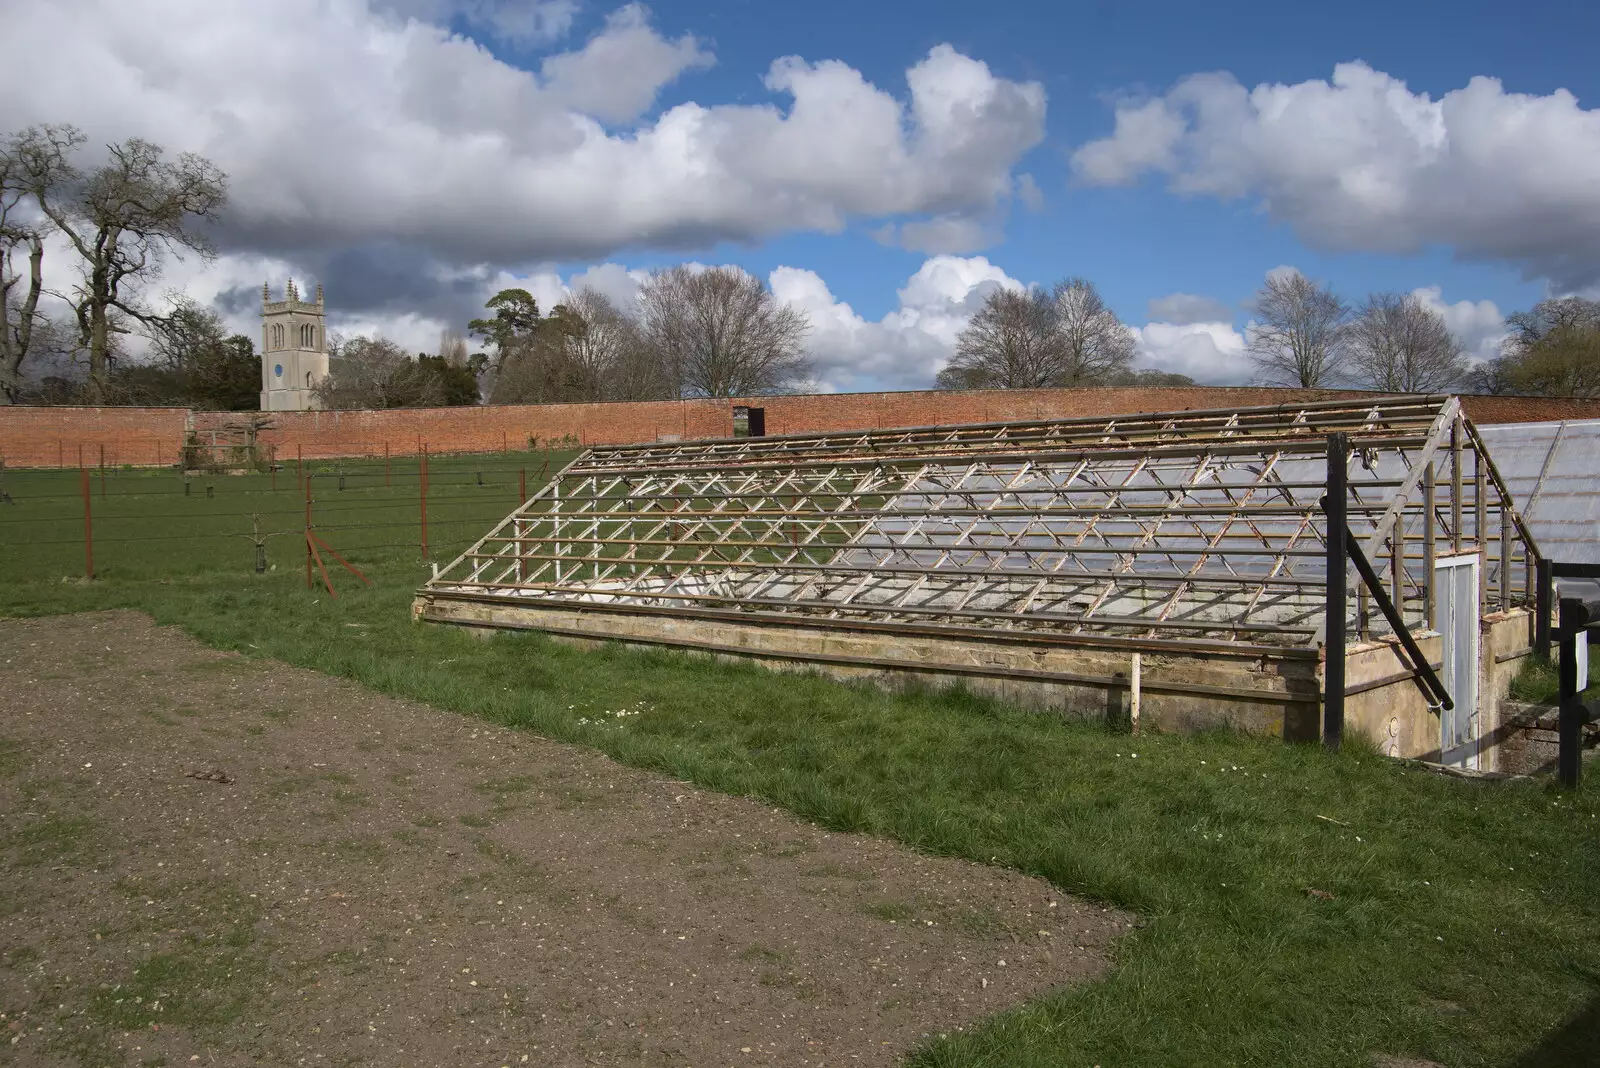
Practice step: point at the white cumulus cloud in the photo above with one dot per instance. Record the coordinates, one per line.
(908, 346)
(1211, 353)
(1477, 324)
(1185, 308)
(520, 21)
(342, 124)
(615, 77)
(1362, 162)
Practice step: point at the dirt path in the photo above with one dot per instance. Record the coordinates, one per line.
(378, 882)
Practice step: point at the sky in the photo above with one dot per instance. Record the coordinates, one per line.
(882, 166)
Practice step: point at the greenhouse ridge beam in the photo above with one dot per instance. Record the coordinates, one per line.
(1185, 527)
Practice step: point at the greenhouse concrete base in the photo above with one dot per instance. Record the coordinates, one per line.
(1183, 690)
(1180, 690)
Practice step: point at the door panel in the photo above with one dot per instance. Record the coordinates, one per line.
(1456, 620)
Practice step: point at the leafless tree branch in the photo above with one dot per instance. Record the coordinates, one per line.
(1298, 338)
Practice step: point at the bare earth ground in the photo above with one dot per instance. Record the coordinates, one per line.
(384, 883)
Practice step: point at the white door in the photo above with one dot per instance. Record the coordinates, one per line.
(1455, 617)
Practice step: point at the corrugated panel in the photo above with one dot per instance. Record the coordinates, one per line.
(1553, 472)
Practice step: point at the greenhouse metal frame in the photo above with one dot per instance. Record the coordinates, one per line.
(1179, 531)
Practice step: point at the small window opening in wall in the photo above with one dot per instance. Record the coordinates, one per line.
(749, 422)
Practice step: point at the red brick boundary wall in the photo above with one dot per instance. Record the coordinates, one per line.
(55, 437)
(52, 437)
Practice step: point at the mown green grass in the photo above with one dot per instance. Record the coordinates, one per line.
(1464, 923)
(153, 524)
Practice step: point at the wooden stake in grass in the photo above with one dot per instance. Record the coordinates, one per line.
(1133, 692)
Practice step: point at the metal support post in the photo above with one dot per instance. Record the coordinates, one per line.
(1334, 627)
(1542, 608)
(88, 527)
(1574, 618)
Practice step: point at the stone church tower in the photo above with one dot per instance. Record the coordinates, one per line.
(294, 350)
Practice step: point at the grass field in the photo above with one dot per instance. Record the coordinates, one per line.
(1452, 921)
(151, 524)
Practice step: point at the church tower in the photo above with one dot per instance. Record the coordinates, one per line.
(294, 350)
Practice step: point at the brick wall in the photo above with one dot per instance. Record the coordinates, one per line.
(54, 437)
(49, 437)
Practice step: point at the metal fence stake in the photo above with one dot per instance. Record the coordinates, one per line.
(88, 527)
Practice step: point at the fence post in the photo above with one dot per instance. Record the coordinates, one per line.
(307, 485)
(424, 499)
(1134, 695)
(1570, 714)
(1334, 621)
(300, 466)
(102, 470)
(88, 527)
(386, 464)
(522, 484)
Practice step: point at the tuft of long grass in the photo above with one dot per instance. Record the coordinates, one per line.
(1539, 683)
(1453, 921)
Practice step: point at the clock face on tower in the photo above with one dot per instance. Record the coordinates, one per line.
(277, 370)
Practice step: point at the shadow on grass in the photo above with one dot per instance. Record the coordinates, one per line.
(1575, 1044)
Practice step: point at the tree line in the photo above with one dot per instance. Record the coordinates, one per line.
(1302, 334)
(716, 332)
(1307, 335)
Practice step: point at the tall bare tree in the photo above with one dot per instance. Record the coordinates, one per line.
(368, 372)
(1398, 344)
(613, 361)
(721, 333)
(1298, 338)
(123, 219)
(1035, 339)
(1095, 347)
(1011, 342)
(453, 348)
(31, 164)
(1553, 350)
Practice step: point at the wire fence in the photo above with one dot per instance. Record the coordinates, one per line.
(104, 520)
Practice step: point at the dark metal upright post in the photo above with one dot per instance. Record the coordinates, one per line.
(1542, 608)
(1570, 760)
(306, 483)
(1334, 622)
(88, 527)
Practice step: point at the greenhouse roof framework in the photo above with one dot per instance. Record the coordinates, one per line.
(1172, 530)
